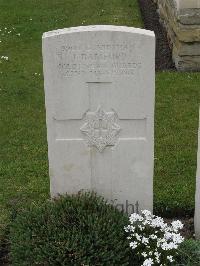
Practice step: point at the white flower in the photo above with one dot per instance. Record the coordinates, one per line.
(4, 57)
(158, 222)
(168, 235)
(169, 246)
(146, 213)
(133, 245)
(148, 262)
(153, 236)
(135, 217)
(158, 260)
(138, 237)
(129, 228)
(141, 227)
(170, 258)
(177, 238)
(157, 256)
(157, 246)
(144, 254)
(146, 222)
(145, 240)
(177, 225)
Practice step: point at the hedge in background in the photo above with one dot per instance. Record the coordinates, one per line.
(72, 230)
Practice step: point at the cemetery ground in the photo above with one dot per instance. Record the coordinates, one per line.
(23, 154)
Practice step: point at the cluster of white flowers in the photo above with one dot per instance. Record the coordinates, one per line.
(37, 74)
(6, 30)
(4, 57)
(153, 239)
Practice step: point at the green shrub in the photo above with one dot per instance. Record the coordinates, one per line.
(189, 253)
(72, 230)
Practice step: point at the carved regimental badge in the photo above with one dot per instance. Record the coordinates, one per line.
(101, 128)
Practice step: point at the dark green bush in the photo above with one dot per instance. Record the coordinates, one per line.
(72, 230)
(189, 253)
(79, 230)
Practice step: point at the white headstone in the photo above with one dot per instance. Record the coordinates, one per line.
(197, 198)
(99, 90)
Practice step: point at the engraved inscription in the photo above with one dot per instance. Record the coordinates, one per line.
(101, 128)
(99, 59)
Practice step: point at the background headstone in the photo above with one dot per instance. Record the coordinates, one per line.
(99, 90)
(197, 198)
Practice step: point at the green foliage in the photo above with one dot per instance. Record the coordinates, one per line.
(189, 253)
(79, 230)
(4, 245)
(73, 230)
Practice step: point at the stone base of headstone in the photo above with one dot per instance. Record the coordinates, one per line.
(182, 22)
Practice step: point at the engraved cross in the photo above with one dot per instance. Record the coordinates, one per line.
(100, 126)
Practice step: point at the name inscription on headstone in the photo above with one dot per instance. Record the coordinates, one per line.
(101, 59)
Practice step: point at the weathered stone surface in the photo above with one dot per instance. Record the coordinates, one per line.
(189, 16)
(184, 49)
(186, 63)
(99, 91)
(191, 34)
(185, 33)
(182, 4)
(168, 5)
(197, 196)
(183, 29)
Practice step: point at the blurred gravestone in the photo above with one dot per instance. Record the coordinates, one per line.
(197, 198)
(99, 90)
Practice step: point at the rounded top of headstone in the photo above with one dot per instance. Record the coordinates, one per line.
(98, 28)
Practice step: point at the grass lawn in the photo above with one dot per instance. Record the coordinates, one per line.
(176, 128)
(23, 153)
